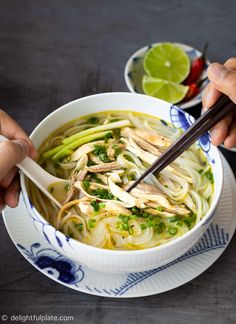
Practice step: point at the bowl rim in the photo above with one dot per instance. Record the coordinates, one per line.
(140, 51)
(206, 219)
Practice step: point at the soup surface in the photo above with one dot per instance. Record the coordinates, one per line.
(102, 155)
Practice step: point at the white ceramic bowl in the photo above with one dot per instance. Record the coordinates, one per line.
(122, 261)
(134, 72)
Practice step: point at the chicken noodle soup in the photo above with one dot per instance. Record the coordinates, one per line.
(102, 155)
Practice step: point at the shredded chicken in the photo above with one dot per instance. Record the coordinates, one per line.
(84, 149)
(127, 199)
(103, 167)
(129, 133)
(153, 137)
(151, 193)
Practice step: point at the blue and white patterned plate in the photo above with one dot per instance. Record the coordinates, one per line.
(134, 72)
(205, 252)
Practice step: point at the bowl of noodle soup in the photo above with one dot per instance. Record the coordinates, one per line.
(101, 144)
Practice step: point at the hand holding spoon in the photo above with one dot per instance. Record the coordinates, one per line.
(41, 178)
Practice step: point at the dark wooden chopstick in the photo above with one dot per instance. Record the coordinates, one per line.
(204, 123)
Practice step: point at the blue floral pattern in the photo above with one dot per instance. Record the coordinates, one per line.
(182, 120)
(55, 264)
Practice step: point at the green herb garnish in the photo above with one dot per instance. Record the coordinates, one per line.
(79, 227)
(91, 222)
(95, 205)
(86, 184)
(102, 193)
(209, 176)
(190, 220)
(93, 120)
(172, 230)
(101, 152)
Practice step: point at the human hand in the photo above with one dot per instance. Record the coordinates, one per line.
(11, 153)
(222, 80)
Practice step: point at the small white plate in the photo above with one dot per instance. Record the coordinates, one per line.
(205, 252)
(134, 72)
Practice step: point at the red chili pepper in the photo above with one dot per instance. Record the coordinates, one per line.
(193, 89)
(196, 68)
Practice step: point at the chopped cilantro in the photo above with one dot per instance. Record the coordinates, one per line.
(174, 218)
(108, 136)
(143, 226)
(116, 133)
(79, 227)
(95, 205)
(86, 184)
(102, 193)
(200, 171)
(117, 149)
(160, 227)
(93, 120)
(101, 152)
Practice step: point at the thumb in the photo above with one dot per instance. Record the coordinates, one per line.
(11, 153)
(224, 79)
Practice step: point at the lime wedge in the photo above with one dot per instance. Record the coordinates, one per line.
(163, 89)
(167, 61)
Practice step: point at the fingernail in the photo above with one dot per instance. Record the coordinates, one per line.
(217, 71)
(23, 144)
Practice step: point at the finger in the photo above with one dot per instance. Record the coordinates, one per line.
(10, 129)
(7, 179)
(11, 195)
(223, 79)
(12, 152)
(230, 140)
(210, 96)
(220, 131)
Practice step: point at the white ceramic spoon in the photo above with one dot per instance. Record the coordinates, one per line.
(41, 178)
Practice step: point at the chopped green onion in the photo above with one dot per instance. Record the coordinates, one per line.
(159, 208)
(209, 176)
(172, 230)
(91, 222)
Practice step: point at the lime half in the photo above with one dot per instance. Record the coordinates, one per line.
(167, 61)
(163, 89)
